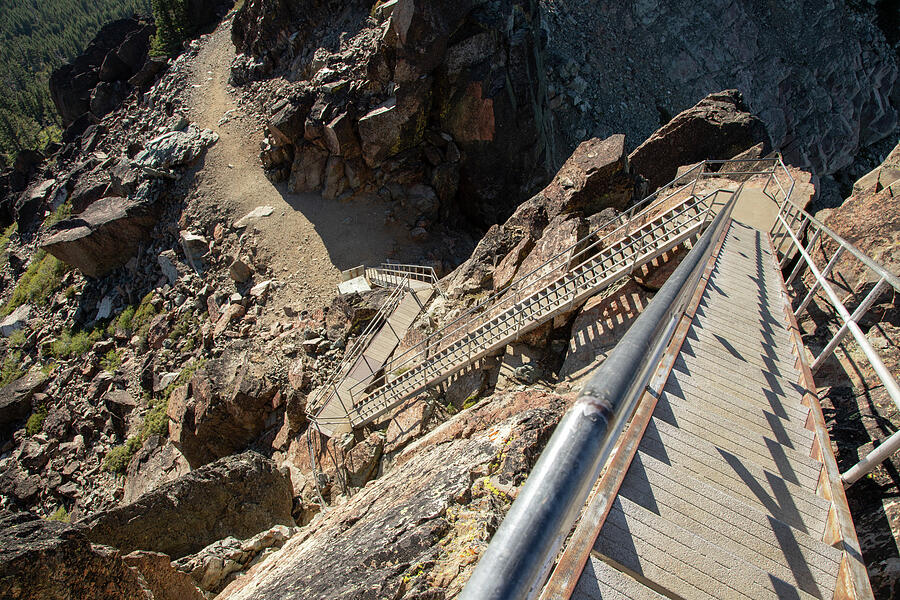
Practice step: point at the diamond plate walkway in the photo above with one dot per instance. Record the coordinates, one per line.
(720, 497)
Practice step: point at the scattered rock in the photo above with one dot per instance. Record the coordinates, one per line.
(15, 400)
(176, 148)
(239, 270)
(253, 216)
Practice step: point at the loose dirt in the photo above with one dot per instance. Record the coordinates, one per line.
(306, 241)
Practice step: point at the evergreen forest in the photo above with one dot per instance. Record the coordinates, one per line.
(36, 37)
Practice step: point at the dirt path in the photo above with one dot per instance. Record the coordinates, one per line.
(306, 241)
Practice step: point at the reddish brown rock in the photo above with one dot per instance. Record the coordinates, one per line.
(163, 580)
(104, 236)
(719, 126)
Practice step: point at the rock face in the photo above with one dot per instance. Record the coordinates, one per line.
(239, 495)
(445, 95)
(104, 236)
(828, 93)
(870, 220)
(596, 177)
(418, 527)
(96, 81)
(223, 409)
(46, 560)
(719, 126)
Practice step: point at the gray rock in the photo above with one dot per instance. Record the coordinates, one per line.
(239, 270)
(15, 321)
(50, 560)
(195, 249)
(253, 216)
(176, 148)
(239, 496)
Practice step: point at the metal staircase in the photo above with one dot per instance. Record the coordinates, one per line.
(669, 217)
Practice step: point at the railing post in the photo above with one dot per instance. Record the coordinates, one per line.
(864, 306)
(825, 273)
(799, 265)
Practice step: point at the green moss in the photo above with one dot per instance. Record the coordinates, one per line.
(186, 330)
(156, 421)
(36, 420)
(61, 514)
(471, 401)
(143, 314)
(118, 458)
(38, 284)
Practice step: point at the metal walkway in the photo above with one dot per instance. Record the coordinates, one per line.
(720, 499)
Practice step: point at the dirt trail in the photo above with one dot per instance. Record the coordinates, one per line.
(306, 241)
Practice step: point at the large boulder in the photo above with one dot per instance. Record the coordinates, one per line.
(15, 400)
(223, 409)
(719, 126)
(103, 237)
(115, 54)
(176, 148)
(50, 560)
(239, 496)
(595, 178)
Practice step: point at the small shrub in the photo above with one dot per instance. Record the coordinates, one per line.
(38, 283)
(123, 321)
(470, 401)
(7, 234)
(71, 292)
(143, 314)
(111, 361)
(61, 514)
(118, 458)
(69, 344)
(36, 421)
(63, 211)
(11, 367)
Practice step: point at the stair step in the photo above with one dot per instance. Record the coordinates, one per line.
(786, 501)
(736, 526)
(681, 563)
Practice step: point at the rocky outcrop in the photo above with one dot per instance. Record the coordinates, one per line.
(595, 178)
(418, 527)
(870, 220)
(105, 235)
(47, 560)
(223, 409)
(437, 95)
(719, 126)
(825, 95)
(161, 577)
(239, 495)
(96, 81)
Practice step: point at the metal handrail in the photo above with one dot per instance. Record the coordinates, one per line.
(356, 349)
(850, 322)
(393, 386)
(522, 550)
(464, 323)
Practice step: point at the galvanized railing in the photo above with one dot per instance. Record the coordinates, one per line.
(521, 553)
(330, 388)
(792, 225)
(390, 273)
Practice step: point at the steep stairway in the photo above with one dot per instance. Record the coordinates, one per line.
(724, 496)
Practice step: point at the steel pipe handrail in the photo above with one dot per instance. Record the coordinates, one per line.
(564, 281)
(849, 324)
(522, 551)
